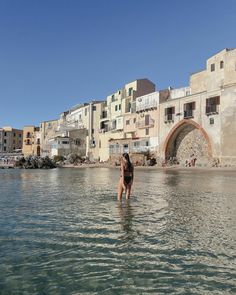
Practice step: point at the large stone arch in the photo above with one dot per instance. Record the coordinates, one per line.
(188, 140)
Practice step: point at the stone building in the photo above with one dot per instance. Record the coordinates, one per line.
(31, 141)
(10, 140)
(48, 131)
(140, 130)
(78, 131)
(119, 105)
(197, 123)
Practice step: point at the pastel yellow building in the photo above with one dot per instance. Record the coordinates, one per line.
(10, 140)
(31, 141)
(118, 105)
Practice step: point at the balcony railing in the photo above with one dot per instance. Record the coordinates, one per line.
(145, 124)
(188, 114)
(169, 118)
(103, 130)
(146, 106)
(212, 109)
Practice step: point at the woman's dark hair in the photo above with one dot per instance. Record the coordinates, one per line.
(129, 164)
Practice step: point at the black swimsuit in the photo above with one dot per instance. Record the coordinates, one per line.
(127, 178)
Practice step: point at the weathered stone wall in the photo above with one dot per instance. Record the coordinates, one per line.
(190, 144)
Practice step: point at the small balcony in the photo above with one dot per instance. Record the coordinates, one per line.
(212, 109)
(188, 114)
(169, 118)
(104, 130)
(146, 105)
(145, 124)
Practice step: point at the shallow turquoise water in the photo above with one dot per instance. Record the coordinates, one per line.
(63, 232)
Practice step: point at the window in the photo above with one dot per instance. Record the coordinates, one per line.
(92, 131)
(129, 107)
(212, 67)
(221, 64)
(4, 148)
(28, 135)
(20, 135)
(211, 121)
(127, 122)
(169, 114)
(104, 114)
(5, 134)
(146, 131)
(14, 135)
(188, 109)
(5, 141)
(38, 141)
(134, 120)
(28, 142)
(212, 105)
(77, 141)
(130, 91)
(147, 120)
(147, 143)
(94, 108)
(119, 107)
(116, 108)
(85, 112)
(113, 97)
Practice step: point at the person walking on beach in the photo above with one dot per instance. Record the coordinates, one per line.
(126, 176)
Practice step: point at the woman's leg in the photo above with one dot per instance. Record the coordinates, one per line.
(128, 191)
(120, 191)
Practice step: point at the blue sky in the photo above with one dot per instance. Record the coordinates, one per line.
(57, 53)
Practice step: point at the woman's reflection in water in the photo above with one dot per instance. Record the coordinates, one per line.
(126, 215)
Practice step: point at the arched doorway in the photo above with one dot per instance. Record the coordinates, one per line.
(188, 141)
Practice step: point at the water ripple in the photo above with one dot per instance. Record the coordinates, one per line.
(63, 232)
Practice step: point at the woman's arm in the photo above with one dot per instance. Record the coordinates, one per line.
(132, 175)
(122, 170)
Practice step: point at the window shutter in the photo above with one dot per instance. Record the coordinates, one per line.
(193, 105)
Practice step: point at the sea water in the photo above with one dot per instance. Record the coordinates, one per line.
(62, 231)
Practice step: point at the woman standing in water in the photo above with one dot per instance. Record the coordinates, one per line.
(126, 176)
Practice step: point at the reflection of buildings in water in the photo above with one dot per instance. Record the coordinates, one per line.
(101, 175)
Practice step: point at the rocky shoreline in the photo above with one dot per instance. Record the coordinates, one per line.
(34, 162)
